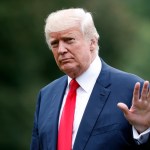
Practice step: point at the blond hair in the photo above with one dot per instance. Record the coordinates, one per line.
(67, 18)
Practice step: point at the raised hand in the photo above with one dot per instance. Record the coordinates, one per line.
(139, 113)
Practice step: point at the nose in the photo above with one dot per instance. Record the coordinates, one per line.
(62, 48)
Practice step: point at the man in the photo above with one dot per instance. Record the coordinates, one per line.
(96, 123)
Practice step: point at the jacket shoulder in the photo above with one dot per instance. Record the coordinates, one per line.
(55, 84)
(120, 74)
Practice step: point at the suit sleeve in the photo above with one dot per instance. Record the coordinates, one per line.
(35, 143)
(145, 146)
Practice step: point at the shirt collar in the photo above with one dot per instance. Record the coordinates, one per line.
(89, 77)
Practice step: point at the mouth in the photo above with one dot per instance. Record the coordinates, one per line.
(65, 60)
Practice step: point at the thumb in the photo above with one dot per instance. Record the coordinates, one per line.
(124, 108)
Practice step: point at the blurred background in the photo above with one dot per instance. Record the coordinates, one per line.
(26, 63)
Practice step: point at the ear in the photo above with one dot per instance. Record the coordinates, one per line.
(93, 44)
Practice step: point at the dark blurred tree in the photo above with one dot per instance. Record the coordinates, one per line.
(116, 29)
(138, 56)
(26, 63)
(140, 8)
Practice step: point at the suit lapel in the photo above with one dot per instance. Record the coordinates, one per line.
(54, 113)
(93, 110)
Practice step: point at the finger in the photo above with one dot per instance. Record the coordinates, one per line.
(145, 90)
(148, 96)
(148, 93)
(124, 108)
(136, 92)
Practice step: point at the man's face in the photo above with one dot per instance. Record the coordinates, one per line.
(73, 53)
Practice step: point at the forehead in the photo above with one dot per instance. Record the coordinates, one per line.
(71, 32)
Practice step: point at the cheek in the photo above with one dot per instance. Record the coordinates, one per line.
(83, 58)
(55, 57)
(85, 53)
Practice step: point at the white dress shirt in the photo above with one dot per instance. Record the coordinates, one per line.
(83, 95)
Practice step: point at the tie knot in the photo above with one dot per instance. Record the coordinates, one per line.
(73, 84)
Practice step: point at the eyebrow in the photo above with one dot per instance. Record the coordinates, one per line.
(53, 42)
(63, 38)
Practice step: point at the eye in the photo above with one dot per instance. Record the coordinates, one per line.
(70, 40)
(54, 44)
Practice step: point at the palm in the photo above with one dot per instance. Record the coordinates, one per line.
(139, 113)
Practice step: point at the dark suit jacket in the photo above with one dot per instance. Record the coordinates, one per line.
(103, 126)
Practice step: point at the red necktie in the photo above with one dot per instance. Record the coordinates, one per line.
(67, 117)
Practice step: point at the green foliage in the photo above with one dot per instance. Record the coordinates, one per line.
(26, 63)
